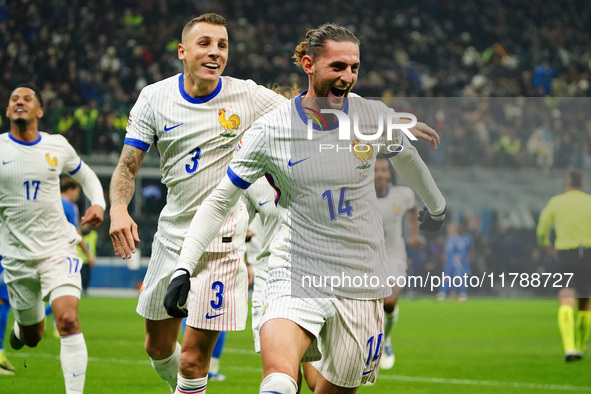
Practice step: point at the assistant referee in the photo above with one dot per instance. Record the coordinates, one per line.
(570, 214)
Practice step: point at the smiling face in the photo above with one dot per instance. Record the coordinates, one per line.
(334, 71)
(23, 108)
(204, 52)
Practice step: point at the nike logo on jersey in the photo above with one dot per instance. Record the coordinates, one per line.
(263, 203)
(6, 162)
(170, 128)
(291, 164)
(208, 316)
(78, 374)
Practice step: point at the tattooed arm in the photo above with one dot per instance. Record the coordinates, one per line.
(123, 229)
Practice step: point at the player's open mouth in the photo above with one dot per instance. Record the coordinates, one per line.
(212, 66)
(338, 91)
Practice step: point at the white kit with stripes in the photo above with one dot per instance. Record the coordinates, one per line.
(196, 138)
(34, 225)
(393, 209)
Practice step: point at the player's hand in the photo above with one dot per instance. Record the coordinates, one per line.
(429, 222)
(93, 216)
(249, 235)
(123, 232)
(424, 132)
(177, 294)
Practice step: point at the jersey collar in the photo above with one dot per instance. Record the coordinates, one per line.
(23, 142)
(304, 117)
(198, 100)
(387, 192)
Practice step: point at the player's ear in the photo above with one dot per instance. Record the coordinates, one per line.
(40, 113)
(308, 64)
(181, 51)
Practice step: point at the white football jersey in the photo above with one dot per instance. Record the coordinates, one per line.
(196, 139)
(330, 224)
(260, 202)
(393, 208)
(33, 222)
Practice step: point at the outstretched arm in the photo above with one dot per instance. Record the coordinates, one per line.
(545, 224)
(414, 171)
(414, 239)
(92, 188)
(424, 132)
(123, 229)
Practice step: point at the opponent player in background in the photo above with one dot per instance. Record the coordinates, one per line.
(457, 247)
(70, 190)
(345, 328)
(570, 215)
(6, 368)
(395, 202)
(38, 245)
(196, 120)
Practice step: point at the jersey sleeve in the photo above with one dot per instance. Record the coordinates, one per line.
(265, 100)
(140, 130)
(249, 200)
(410, 201)
(72, 162)
(70, 212)
(252, 160)
(545, 224)
(393, 144)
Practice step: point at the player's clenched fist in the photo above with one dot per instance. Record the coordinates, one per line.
(177, 293)
(429, 222)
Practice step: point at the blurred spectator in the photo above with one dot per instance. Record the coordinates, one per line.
(107, 51)
(506, 252)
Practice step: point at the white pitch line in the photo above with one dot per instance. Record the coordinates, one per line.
(420, 379)
(538, 386)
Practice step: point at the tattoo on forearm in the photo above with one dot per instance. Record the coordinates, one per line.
(123, 180)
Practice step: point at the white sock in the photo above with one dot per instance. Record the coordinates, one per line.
(390, 323)
(214, 365)
(74, 358)
(193, 386)
(17, 330)
(168, 368)
(278, 383)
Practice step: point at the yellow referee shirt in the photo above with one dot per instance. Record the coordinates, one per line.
(570, 213)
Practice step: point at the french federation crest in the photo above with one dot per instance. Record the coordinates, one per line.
(229, 124)
(52, 161)
(363, 152)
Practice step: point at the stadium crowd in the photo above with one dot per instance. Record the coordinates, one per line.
(92, 58)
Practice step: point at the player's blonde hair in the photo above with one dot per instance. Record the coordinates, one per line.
(315, 39)
(286, 91)
(211, 17)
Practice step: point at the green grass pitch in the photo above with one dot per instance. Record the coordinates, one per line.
(480, 346)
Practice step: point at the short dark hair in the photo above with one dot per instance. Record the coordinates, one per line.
(34, 89)
(67, 183)
(211, 17)
(575, 178)
(316, 38)
(381, 156)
